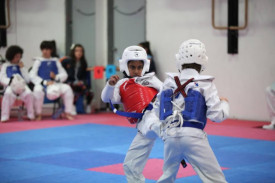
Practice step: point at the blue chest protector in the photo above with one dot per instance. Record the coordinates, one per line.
(194, 114)
(166, 106)
(45, 68)
(195, 108)
(13, 69)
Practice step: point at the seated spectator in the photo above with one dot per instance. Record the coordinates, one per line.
(77, 70)
(48, 76)
(14, 77)
(146, 46)
(54, 50)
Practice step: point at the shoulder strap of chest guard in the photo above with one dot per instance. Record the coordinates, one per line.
(181, 87)
(166, 97)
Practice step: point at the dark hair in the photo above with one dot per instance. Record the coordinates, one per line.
(12, 51)
(195, 66)
(146, 46)
(83, 61)
(49, 45)
(54, 50)
(46, 45)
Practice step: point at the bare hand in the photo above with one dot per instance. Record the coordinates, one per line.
(223, 98)
(50, 83)
(21, 64)
(113, 80)
(90, 69)
(52, 75)
(79, 83)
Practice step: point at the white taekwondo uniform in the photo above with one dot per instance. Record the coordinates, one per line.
(7, 71)
(141, 146)
(40, 74)
(191, 143)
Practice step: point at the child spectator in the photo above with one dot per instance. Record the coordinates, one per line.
(48, 76)
(186, 102)
(136, 92)
(76, 67)
(54, 49)
(146, 46)
(14, 77)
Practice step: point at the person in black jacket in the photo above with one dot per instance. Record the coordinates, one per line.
(78, 77)
(146, 46)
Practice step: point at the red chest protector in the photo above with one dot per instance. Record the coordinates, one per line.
(136, 97)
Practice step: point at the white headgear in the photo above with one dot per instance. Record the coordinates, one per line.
(134, 53)
(53, 91)
(18, 84)
(191, 51)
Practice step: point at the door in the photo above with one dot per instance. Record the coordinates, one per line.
(128, 26)
(81, 27)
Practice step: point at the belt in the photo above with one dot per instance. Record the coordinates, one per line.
(193, 124)
(130, 114)
(190, 124)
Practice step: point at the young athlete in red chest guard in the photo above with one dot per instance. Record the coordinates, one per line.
(136, 92)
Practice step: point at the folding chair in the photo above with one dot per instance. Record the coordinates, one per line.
(58, 107)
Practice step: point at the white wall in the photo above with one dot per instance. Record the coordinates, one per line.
(242, 78)
(33, 21)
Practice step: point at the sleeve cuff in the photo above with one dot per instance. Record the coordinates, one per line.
(110, 86)
(57, 79)
(226, 109)
(44, 82)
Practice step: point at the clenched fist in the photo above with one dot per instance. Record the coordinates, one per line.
(113, 80)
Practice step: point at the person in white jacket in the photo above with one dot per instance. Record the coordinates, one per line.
(270, 100)
(48, 75)
(13, 77)
(186, 101)
(136, 92)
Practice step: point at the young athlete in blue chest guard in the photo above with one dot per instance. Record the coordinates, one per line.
(187, 100)
(48, 76)
(14, 77)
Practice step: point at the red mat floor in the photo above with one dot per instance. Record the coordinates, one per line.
(230, 127)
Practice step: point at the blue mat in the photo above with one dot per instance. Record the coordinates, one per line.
(63, 155)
